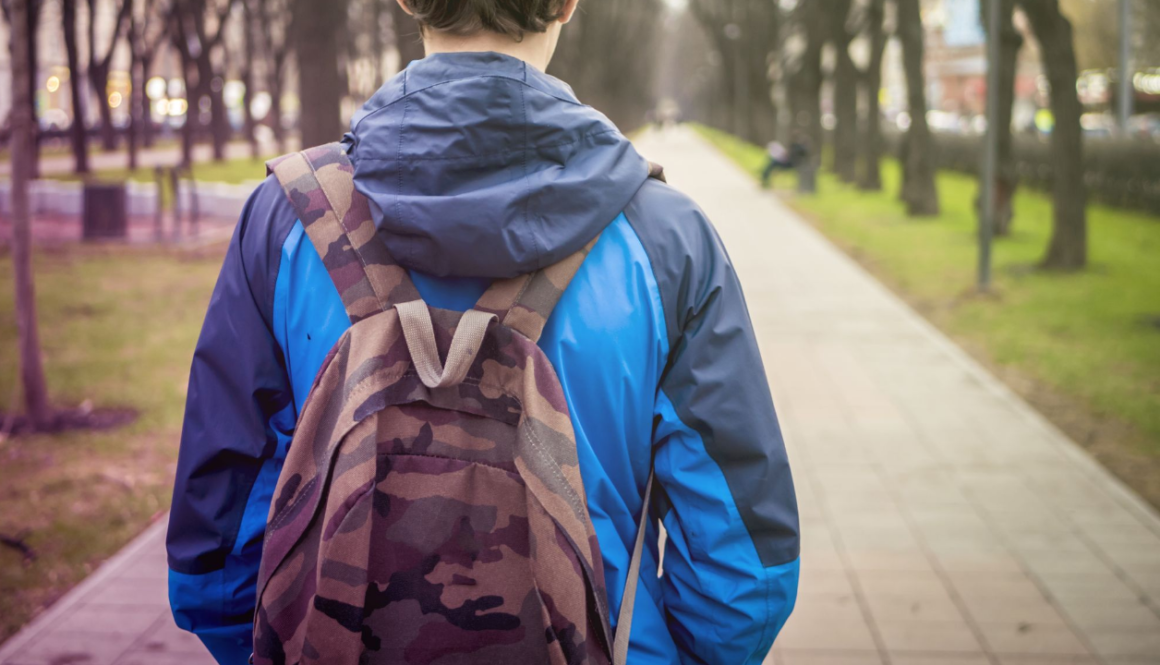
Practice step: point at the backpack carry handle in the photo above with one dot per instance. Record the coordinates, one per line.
(419, 332)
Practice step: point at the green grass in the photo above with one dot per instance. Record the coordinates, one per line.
(1089, 340)
(118, 326)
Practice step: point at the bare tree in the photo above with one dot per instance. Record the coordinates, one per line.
(1006, 177)
(23, 146)
(715, 18)
(805, 76)
(745, 34)
(845, 153)
(275, 25)
(197, 41)
(919, 191)
(32, 21)
(320, 88)
(620, 82)
(869, 177)
(408, 41)
(80, 142)
(99, 69)
(147, 33)
(249, 39)
(1068, 247)
(761, 37)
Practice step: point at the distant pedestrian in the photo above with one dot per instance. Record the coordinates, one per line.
(777, 159)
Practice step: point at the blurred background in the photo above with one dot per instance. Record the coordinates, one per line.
(145, 123)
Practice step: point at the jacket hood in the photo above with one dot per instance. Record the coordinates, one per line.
(479, 165)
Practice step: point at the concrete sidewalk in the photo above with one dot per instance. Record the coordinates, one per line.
(944, 521)
(167, 154)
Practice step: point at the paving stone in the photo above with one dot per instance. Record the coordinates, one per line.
(131, 592)
(884, 560)
(924, 584)
(165, 637)
(1088, 614)
(977, 562)
(1032, 639)
(1008, 659)
(112, 620)
(830, 623)
(938, 659)
(1013, 611)
(1087, 586)
(827, 582)
(150, 658)
(928, 636)
(995, 585)
(66, 646)
(792, 657)
(1124, 642)
(911, 608)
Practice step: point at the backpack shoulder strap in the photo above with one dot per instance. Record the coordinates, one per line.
(632, 578)
(656, 172)
(319, 183)
(525, 302)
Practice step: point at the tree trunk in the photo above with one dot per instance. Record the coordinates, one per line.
(275, 84)
(248, 78)
(378, 47)
(276, 69)
(33, 22)
(135, 92)
(99, 80)
(919, 191)
(845, 153)
(136, 113)
(870, 177)
(99, 72)
(319, 85)
(1006, 178)
(408, 41)
(147, 136)
(211, 84)
(1068, 247)
(729, 80)
(807, 104)
(193, 96)
(23, 145)
(764, 23)
(80, 143)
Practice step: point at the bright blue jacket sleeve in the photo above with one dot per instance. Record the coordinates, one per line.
(239, 415)
(726, 494)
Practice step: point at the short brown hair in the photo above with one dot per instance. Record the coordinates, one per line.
(513, 18)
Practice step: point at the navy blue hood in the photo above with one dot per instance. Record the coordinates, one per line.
(479, 165)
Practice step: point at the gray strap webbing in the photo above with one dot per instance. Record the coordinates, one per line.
(628, 602)
(420, 335)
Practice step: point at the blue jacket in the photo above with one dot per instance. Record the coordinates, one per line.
(478, 167)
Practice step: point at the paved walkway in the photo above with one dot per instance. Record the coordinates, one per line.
(167, 154)
(944, 521)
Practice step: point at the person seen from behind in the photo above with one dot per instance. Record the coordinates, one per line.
(467, 171)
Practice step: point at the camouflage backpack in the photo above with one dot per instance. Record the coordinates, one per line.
(429, 511)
